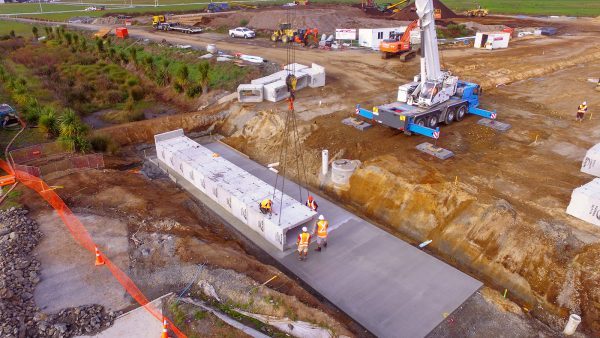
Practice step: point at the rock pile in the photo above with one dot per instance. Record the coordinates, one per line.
(19, 274)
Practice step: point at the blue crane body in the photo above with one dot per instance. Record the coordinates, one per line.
(425, 120)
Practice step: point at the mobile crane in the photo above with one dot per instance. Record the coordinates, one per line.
(434, 96)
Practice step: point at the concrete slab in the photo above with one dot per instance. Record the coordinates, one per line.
(390, 287)
(497, 125)
(356, 123)
(69, 277)
(439, 152)
(137, 323)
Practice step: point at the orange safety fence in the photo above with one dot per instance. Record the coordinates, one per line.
(80, 234)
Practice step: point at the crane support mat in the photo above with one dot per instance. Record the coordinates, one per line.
(235, 189)
(497, 125)
(356, 123)
(430, 149)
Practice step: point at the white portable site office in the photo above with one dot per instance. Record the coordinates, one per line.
(372, 37)
(235, 189)
(492, 40)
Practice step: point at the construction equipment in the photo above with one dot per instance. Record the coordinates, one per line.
(8, 116)
(158, 19)
(216, 7)
(308, 37)
(302, 2)
(285, 33)
(102, 33)
(399, 44)
(434, 96)
(480, 12)
(393, 7)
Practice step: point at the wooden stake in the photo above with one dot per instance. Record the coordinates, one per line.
(505, 291)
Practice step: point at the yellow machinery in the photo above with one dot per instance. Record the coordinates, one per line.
(477, 12)
(285, 33)
(102, 33)
(158, 19)
(393, 7)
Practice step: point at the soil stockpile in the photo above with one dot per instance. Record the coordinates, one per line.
(409, 12)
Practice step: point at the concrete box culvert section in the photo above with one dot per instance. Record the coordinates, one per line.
(388, 286)
(591, 162)
(585, 202)
(238, 191)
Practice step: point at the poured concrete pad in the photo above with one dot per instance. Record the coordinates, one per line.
(432, 150)
(69, 277)
(356, 123)
(497, 125)
(390, 287)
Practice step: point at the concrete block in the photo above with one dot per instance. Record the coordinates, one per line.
(276, 91)
(280, 75)
(591, 162)
(250, 93)
(356, 123)
(585, 202)
(295, 67)
(497, 125)
(235, 189)
(432, 150)
(316, 75)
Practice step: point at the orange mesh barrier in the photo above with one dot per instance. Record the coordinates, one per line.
(84, 239)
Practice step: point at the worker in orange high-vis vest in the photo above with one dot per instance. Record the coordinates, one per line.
(321, 232)
(303, 241)
(312, 204)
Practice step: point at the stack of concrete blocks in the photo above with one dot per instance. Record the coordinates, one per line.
(235, 189)
(274, 86)
(585, 200)
(250, 93)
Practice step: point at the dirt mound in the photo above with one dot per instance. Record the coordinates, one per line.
(325, 18)
(409, 12)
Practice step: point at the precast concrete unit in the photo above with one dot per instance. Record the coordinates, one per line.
(235, 189)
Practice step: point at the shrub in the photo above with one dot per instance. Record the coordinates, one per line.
(244, 22)
(48, 122)
(192, 91)
(115, 96)
(178, 87)
(137, 92)
(100, 143)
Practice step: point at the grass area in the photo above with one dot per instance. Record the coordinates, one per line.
(21, 29)
(12, 200)
(526, 7)
(62, 12)
(531, 7)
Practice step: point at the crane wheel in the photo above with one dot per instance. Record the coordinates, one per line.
(432, 121)
(420, 122)
(450, 115)
(461, 112)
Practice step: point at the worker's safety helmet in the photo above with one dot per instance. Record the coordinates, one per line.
(310, 198)
(321, 217)
(584, 103)
(304, 229)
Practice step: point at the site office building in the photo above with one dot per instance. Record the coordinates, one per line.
(372, 37)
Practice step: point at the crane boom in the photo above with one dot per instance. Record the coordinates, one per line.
(430, 58)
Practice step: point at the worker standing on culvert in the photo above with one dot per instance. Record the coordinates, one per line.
(312, 204)
(321, 232)
(302, 242)
(581, 110)
(266, 206)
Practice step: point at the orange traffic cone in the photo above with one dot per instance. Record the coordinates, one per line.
(164, 333)
(99, 259)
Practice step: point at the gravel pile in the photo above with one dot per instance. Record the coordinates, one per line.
(20, 273)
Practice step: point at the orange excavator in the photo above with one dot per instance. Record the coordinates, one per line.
(308, 37)
(399, 44)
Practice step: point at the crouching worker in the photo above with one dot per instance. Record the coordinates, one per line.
(302, 242)
(266, 206)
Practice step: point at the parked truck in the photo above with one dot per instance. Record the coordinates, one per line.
(434, 96)
(175, 26)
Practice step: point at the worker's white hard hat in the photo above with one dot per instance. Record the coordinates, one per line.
(321, 217)
(304, 229)
(584, 103)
